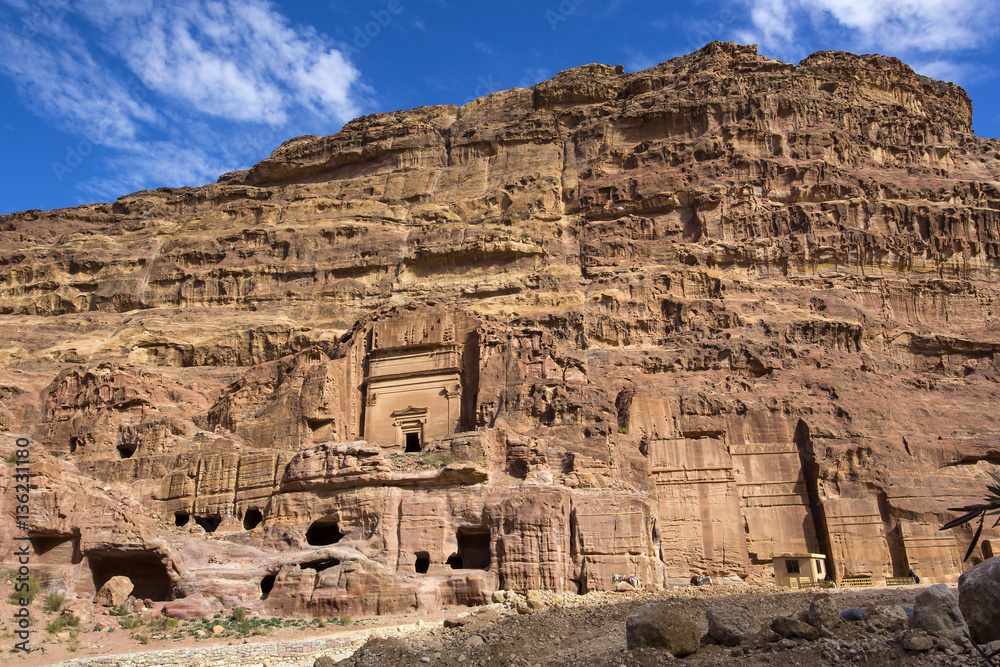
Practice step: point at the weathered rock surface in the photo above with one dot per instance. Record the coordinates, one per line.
(790, 627)
(890, 618)
(659, 625)
(979, 600)
(824, 612)
(728, 624)
(669, 321)
(936, 612)
(115, 591)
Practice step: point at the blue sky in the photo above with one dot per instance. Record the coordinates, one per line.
(105, 97)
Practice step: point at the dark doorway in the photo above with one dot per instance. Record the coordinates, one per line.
(127, 449)
(474, 548)
(323, 532)
(423, 562)
(412, 442)
(209, 523)
(144, 569)
(266, 584)
(56, 549)
(74, 442)
(252, 518)
(454, 562)
(181, 518)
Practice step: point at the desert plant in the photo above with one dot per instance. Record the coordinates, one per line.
(238, 614)
(981, 511)
(29, 593)
(140, 637)
(130, 622)
(54, 601)
(118, 610)
(65, 620)
(344, 619)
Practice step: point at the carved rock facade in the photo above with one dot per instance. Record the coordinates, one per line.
(652, 324)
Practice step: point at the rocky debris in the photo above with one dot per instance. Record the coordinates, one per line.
(194, 606)
(979, 600)
(115, 591)
(790, 627)
(918, 640)
(728, 624)
(660, 625)
(887, 618)
(936, 612)
(823, 612)
(323, 661)
(853, 614)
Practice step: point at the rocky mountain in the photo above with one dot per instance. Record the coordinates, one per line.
(655, 324)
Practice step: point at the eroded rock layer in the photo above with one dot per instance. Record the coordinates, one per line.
(652, 324)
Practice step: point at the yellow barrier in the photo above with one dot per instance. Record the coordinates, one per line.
(857, 582)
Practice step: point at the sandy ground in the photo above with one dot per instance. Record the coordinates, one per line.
(572, 630)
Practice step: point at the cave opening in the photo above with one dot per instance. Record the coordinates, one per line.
(181, 518)
(810, 470)
(209, 523)
(56, 549)
(454, 562)
(412, 443)
(74, 442)
(473, 549)
(423, 562)
(266, 584)
(144, 568)
(323, 532)
(252, 518)
(127, 448)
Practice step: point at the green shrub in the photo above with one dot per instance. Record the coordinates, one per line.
(623, 430)
(344, 619)
(140, 637)
(11, 460)
(131, 622)
(238, 614)
(54, 602)
(34, 588)
(118, 610)
(65, 620)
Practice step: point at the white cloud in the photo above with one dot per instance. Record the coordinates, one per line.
(235, 60)
(164, 85)
(893, 26)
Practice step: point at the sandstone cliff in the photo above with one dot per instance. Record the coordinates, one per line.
(652, 324)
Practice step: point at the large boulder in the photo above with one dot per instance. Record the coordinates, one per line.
(789, 628)
(979, 600)
(659, 625)
(824, 612)
(114, 592)
(936, 611)
(728, 624)
(892, 618)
